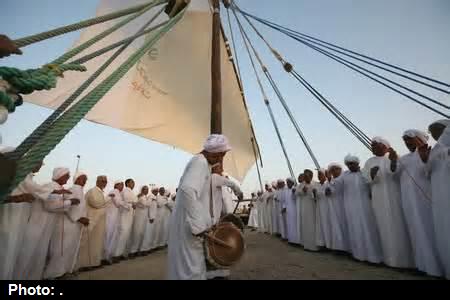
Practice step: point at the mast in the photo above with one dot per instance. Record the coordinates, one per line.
(216, 76)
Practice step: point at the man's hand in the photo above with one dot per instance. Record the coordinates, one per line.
(393, 156)
(84, 221)
(305, 189)
(283, 211)
(7, 47)
(374, 172)
(315, 193)
(74, 201)
(151, 221)
(424, 152)
(328, 192)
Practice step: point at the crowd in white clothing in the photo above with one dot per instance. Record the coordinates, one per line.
(48, 231)
(395, 210)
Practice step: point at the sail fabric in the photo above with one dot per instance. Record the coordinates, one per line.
(166, 97)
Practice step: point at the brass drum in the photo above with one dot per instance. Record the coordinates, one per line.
(224, 246)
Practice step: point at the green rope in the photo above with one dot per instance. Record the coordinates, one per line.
(45, 78)
(71, 53)
(78, 111)
(6, 101)
(22, 42)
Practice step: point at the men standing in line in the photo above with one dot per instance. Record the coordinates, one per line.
(126, 219)
(438, 167)
(140, 221)
(193, 215)
(291, 212)
(115, 204)
(253, 218)
(261, 206)
(386, 203)
(416, 203)
(93, 237)
(323, 230)
(308, 217)
(283, 196)
(364, 240)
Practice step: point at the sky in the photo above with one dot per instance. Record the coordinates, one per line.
(410, 33)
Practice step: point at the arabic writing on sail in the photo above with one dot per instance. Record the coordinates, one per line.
(143, 83)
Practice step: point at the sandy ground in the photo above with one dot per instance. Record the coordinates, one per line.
(266, 258)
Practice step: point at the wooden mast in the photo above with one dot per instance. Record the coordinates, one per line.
(216, 76)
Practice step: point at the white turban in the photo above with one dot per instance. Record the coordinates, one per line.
(351, 158)
(155, 188)
(322, 170)
(381, 140)
(290, 179)
(117, 182)
(59, 172)
(78, 174)
(332, 165)
(445, 137)
(417, 133)
(274, 183)
(280, 181)
(444, 122)
(7, 149)
(216, 143)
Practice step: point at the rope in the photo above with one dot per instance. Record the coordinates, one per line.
(37, 134)
(77, 112)
(7, 102)
(358, 69)
(266, 101)
(318, 41)
(280, 96)
(71, 53)
(25, 41)
(256, 161)
(45, 78)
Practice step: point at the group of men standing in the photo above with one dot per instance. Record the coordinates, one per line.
(48, 231)
(395, 210)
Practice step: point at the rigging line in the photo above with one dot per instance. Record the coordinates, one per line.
(279, 57)
(317, 96)
(256, 161)
(375, 74)
(342, 61)
(347, 63)
(266, 101)
(234, 47)
(268, 23)
(43, 128)
(280, 96)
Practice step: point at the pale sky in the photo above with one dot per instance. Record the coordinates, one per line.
(410, 33)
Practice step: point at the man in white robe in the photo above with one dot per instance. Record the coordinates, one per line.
(268, 199)
(261, 212)
(283, 195)
(276, 211)
(308, 210)
(113, 207)
(438, 168)
(297, 192)
(193, 214)
(126, 219)
(43, 222)
(14, 215)
(290, 208)
(386, 203)
(140, 221)
(364, 239)
(149, 241)
(63, 261)
(323, 230)
(253, 218)
(339, 235)
(162, 217)
(416, 203)
(93, 236)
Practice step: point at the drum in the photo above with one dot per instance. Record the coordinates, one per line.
(224, 246)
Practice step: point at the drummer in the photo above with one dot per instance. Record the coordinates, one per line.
(220, 209)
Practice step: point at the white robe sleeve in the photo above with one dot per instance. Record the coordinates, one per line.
(194, 211)
(366, 173)
(57, 205)
(152, 209)
(75, 212)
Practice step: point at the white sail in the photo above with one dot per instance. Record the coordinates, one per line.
(166, 97)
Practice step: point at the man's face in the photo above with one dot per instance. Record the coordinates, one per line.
(217, 169)
(301, 178)
(162, 191)
(321, 177)
(353, 166)
(81, 181)
(290, 184)
(280, 185)
(267, 187)
(308, 176)
(336, 172)
(145, 190)
(63, 179)
(260, 194)
(155, 192)
(102, 182)
(436, 131)
(214, 158)
(131, 184)
(410, 143)
(119, 186)
(379, 149)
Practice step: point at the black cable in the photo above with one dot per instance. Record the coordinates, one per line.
(268, 23)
